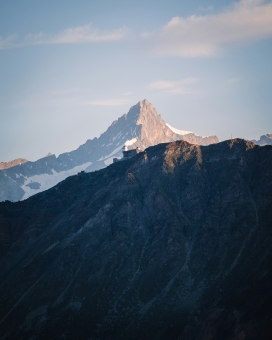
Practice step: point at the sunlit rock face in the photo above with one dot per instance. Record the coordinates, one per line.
(153, 130)
(10, 164)
(141, 127)
(173, 243)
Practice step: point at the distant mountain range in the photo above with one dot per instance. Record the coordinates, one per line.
(173, 243)
(264, 140)
(140, 127)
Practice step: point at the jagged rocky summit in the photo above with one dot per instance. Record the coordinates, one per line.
(141, 127)
(174, 243)
(10, 164)
(264, 140)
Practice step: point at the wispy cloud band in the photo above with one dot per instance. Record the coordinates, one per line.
(45, 100)
(202, 36)
(194, 36)
(179, 87)
(77, 35)
(74, 90)
(7, 42)
(107, 102)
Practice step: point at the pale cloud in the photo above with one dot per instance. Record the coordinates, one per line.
(78, 35)
(202, 36)
(7, 42)
(81, 34)
(74, 90)
(128, 93)
(180, 87)
(107, 102)
(49, 99)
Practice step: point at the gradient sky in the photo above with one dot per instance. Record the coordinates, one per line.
(69, 68)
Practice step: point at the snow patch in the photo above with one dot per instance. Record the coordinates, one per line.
(130, 142)
(108, 161)
(111, 154)
(117, 136)
(47, 181)
(179, 132)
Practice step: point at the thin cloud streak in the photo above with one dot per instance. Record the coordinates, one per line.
(7, 42)
(180, 87)
(107, 102)
(202, 36)
(72, 90)
(43, 100)
(128, 93)
(78, 35)
(81, 34)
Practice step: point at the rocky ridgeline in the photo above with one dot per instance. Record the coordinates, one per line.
(141, 127)
(10, 164)
(174, 243)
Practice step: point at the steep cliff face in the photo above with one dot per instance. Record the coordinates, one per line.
(142, 127)
(152, 129)
(174, 243)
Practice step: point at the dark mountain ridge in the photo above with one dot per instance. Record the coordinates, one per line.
(174, 243)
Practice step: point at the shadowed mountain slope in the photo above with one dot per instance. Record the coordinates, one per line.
(174, 243)
(141, 127)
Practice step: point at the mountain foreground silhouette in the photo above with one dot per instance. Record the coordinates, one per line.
(174, 243)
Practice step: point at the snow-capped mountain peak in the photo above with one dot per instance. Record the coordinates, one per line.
(140, 127)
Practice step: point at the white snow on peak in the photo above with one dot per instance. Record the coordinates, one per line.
(127, 143)
(47, 181)
(109, 159)
(130, 142)
(179, 132)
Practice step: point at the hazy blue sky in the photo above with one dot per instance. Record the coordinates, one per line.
(69, 68)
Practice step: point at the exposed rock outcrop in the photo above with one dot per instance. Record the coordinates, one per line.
(10, 164)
